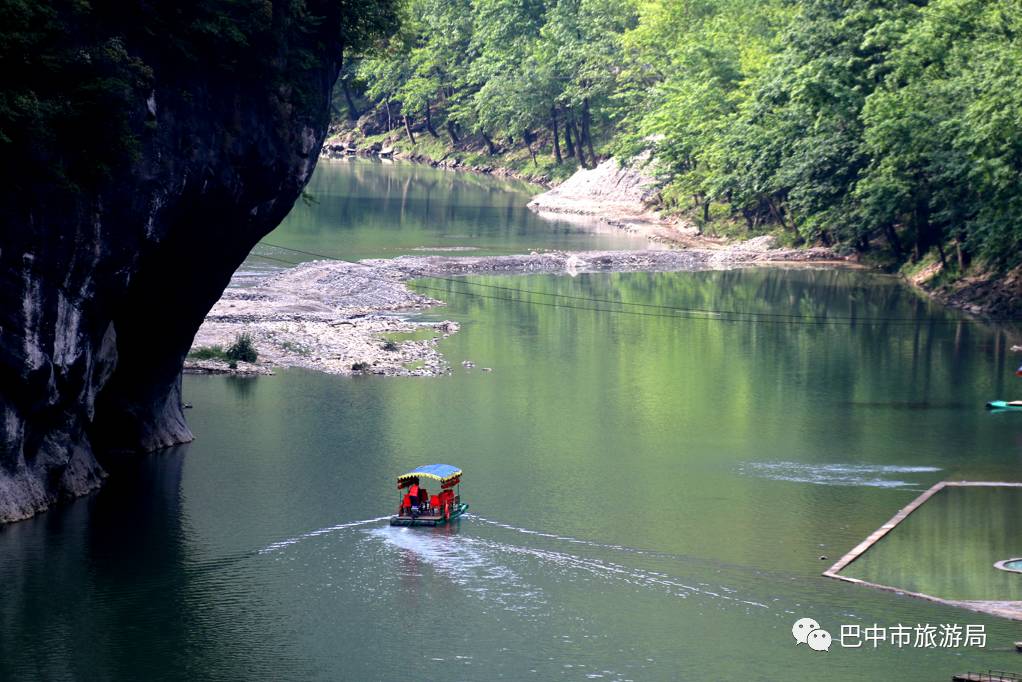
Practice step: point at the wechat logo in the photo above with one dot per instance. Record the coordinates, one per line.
(808, 631)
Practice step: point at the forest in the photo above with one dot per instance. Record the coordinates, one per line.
(892, 127)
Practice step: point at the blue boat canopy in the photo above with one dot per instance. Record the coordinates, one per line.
(440, 472)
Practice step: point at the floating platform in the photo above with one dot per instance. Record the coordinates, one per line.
(1003, 609)
(989, 676)
(428, 519)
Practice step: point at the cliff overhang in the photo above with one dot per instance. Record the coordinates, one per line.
(125, 213)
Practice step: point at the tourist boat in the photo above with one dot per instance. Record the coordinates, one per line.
(431, 509)
(1004, 405)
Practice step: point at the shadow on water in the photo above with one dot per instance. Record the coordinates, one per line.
(107, 587)
(907, 405)
(242, 386)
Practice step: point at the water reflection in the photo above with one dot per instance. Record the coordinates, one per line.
(948, 547)
(643, 489)
(109, 587)
(242, 386)
(365, 210)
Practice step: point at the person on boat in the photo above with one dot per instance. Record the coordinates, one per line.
(413, 495)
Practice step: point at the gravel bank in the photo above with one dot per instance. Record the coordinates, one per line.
(338, 317)
(333, 317)
(758, 251)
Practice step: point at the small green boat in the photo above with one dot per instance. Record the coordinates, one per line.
(424, 509)
(1004, 405)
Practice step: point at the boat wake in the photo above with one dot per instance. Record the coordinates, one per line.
(868, 475)
(465, 562)
(273, 547)
(569, 539)
(499, 572)
(494, 569)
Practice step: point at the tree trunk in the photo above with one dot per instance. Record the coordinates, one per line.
(749, 225)
(490, 148)
(553, 129)
(528, 138)
(777, 212)
(586, 133)
(452, 131)
(924, 238)
(579, 152)
(943, 257)
(429, 122)
(408, 129)
(569, 146)
(892, 238)
(390, 125)
(353, 113)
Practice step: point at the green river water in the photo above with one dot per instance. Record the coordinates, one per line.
(650, 495)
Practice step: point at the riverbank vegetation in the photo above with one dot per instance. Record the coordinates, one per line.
(242, 350)
(888, 127)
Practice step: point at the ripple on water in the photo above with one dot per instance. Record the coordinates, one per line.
(868, 475)
(494, 570)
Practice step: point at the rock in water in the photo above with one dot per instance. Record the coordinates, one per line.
(195, 147)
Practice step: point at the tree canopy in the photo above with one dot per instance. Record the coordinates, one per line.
(878, 124)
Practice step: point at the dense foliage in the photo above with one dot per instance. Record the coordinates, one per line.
(891, 125)
(503, 70)
(75, 76)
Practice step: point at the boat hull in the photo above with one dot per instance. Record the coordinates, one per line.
(429, 520)
(1001, 405)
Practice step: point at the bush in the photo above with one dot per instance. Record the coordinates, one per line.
(242, 349)
(208, 353)
(390, 345)
(360, 367)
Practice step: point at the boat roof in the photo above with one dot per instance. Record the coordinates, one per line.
(440, 472)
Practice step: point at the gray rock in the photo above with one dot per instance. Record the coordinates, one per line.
(105, 285)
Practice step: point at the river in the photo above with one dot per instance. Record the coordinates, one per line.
(651, 494)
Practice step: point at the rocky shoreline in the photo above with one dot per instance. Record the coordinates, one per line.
(624, 196)
(331, 316)
(338, 148)
(998, 297)
(353, 318)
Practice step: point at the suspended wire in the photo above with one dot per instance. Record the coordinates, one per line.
(677, 313)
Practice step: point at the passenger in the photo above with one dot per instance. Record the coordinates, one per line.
(423, 500)
(413, 496)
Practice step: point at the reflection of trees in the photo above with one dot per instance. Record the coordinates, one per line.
(948, 546)
(362, 204)
(592, 390)
(242, 386)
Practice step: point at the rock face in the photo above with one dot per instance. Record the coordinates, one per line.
(610, 188)
(105, 281)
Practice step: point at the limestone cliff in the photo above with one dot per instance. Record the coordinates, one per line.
(185, 132)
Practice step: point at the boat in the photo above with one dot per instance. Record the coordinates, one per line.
(431, 509)
(1004, 405)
